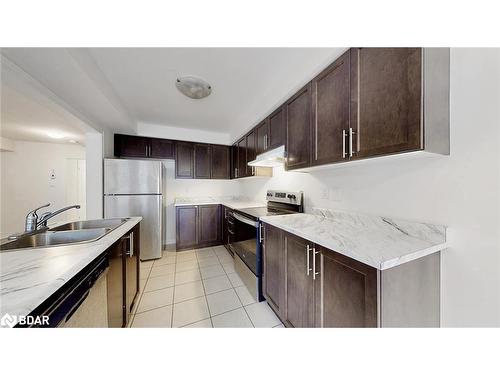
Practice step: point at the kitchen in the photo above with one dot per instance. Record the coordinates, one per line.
(278, 227)
(176, 169)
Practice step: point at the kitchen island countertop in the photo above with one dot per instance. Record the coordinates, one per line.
(28, 277)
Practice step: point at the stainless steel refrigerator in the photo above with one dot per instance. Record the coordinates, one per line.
(134, 188)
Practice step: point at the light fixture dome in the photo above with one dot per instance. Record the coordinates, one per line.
(193, 87)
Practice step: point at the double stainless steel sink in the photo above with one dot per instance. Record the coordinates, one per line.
(71, 233)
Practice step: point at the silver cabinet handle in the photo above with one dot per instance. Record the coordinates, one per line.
(314, 263)
(236, 172)
(245, 220)
(308, 250)
(351, 133)
(344, 134)
(261, 238)
(130, 239)
(265, 141)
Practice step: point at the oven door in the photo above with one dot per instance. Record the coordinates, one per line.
(244, 241)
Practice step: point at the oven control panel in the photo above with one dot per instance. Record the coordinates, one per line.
(291, 197)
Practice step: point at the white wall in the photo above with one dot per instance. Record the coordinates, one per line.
(94, 175)
(189, 188)
(183, 134)
(25, 182)
(461, 191)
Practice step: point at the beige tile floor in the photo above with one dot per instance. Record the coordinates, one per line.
(197, 288)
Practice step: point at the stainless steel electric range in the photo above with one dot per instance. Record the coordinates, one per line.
(246, 243)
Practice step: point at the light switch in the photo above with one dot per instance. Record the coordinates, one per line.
(52, 178)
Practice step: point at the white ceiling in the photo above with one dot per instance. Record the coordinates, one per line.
(118, 88)
(23, 118)
(246, 82)
(29, 112)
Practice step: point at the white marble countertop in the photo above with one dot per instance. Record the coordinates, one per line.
(377, 241)
(231, 202)
(29, 277)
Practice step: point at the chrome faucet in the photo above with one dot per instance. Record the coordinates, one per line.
(32, 219)
(42, 222)
(35, 224)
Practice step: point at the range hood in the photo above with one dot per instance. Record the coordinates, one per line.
(271, 158)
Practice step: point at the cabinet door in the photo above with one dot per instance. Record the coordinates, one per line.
(299, 296)
(162, 148)
(349, 291)
(330, 91)
(298, 127)
(202, 161)
(186, 227)
(220, 162)
(274, 275)
(251, 151)
(242, 158)
(262, 137)
(209, 220)
(131, 146)
(386, 100)
(132, 270)
(184, 160)
(115, 287)
(277, 129)
(234, 160)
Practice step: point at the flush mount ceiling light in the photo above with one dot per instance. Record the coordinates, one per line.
(193, 87)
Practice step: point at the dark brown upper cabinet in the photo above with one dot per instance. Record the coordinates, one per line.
(202, 161)
(277, 129)
(234, 161)
(251, 151)
(385, 100)
(262, 131)
(241, 171)
(131, 146)
(330, 113)
(184, 160)
(221, 162)
(162, 149)
(298, 128)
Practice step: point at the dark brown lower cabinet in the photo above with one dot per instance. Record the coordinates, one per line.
(227, 227)
(186, 219)
(310, 286)
(198, 226)
(299, 284)
(209, 229)
(274, 271)
(123, 278)
(348, 296)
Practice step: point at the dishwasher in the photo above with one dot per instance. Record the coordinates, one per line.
(81, 302)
